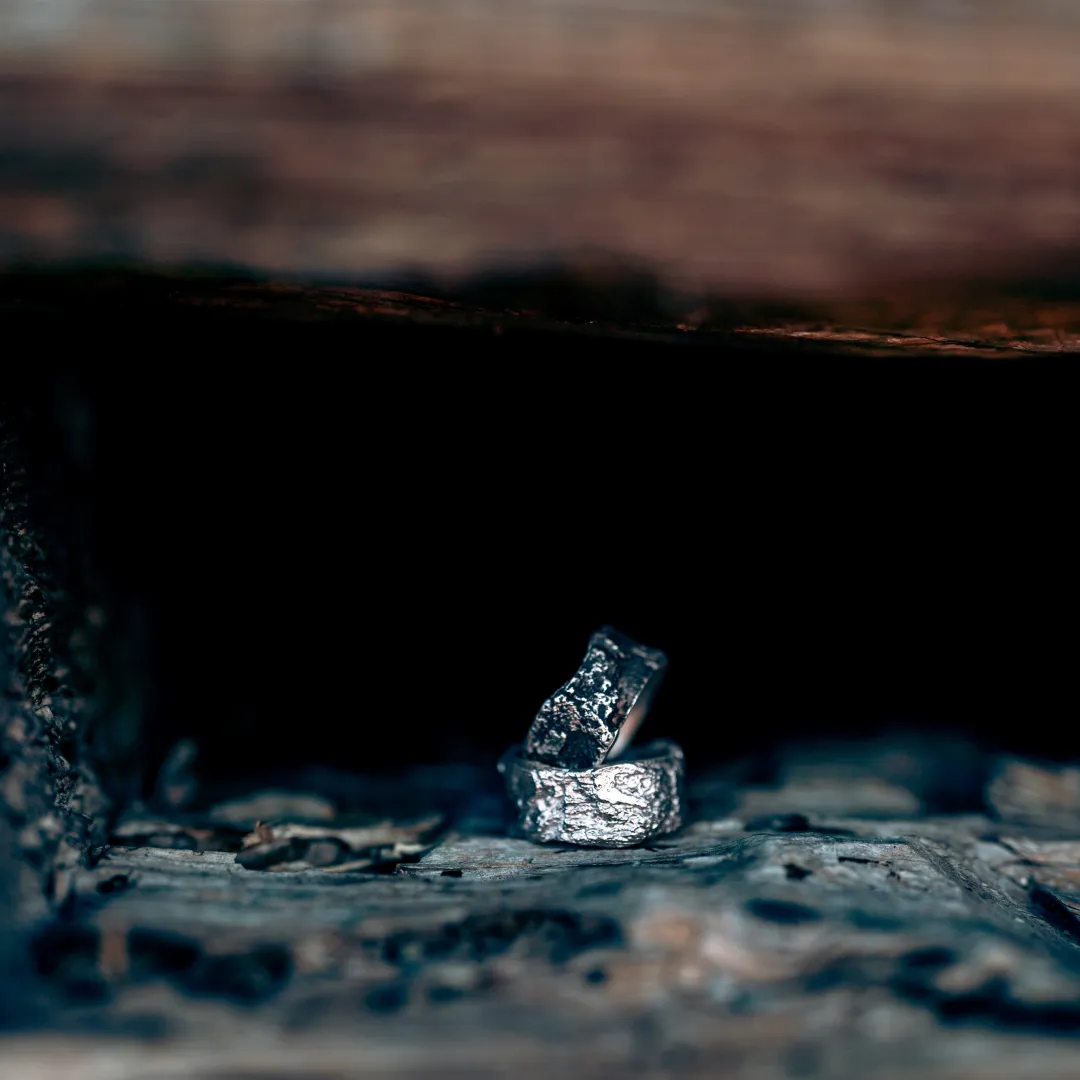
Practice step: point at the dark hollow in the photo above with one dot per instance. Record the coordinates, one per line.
(370, 545)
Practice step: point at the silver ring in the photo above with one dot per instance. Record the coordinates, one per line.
(619, 804)
(594, 716)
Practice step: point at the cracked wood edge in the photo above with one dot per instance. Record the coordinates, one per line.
(991, 324)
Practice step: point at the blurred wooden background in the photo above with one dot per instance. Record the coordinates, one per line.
(734, 148)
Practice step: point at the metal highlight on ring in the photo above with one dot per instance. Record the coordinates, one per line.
(565, 779)
(594, 716)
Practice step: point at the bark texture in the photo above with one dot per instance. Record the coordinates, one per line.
(861, 935)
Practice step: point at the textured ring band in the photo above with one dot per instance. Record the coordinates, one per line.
(618, 805)
(594, 716)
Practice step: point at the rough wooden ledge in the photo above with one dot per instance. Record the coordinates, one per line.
(993, 325)
(759, 942)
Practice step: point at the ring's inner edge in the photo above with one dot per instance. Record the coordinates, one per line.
(635, 717)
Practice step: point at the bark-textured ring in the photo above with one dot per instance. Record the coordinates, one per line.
(593, 717)
(620, 804)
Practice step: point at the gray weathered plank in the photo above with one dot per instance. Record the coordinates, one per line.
(841, 945)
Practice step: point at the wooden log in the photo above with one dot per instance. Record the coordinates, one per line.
(790, 944)
(730, 148)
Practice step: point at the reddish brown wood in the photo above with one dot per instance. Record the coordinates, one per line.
(795, 151)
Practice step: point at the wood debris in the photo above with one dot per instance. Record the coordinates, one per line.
(294, 846)
(1035, 793)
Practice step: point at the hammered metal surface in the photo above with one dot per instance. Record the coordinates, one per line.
(627, 802)
(579, 724)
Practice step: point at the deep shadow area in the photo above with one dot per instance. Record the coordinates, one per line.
(369, 544)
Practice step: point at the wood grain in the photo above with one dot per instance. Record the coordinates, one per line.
(732, 149)
(757, 942)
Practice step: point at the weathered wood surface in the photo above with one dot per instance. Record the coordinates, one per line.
(727, 148)
(891, 941)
